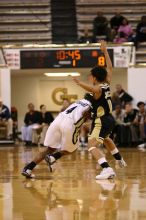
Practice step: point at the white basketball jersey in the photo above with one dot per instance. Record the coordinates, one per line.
(75, 111)
(63, 132)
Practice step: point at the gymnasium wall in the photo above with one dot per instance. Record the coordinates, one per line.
(39, 91)
(5, 86)
(137, 84)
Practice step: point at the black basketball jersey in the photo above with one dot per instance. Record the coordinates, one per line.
(103, 105)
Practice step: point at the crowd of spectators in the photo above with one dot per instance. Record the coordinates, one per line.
(130, 126)
(130, 122)
(130, 129)
(35, 126)
(117, 30)
(6, 122)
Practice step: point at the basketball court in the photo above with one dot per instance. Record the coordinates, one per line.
(39, 52)
(71, 191)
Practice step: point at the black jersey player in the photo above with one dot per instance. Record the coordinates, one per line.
(103, 121)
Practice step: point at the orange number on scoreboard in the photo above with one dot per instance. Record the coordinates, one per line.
(71, 54)
(74, 63)
(101, 61)
(61, 55)
(77, 55)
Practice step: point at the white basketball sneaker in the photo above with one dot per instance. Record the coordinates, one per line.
(106, 173)
(142, 147)
(27, 173)
(50, 161)
(120, 164)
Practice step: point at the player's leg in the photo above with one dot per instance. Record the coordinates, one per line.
(108, 125)
(68, 130)
(110, 146)
(95, 140)
(107, 172)
(51, 158)
(84, 131)
(52, 141)
(27, 170)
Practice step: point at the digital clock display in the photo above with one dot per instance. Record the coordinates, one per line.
(63, 58)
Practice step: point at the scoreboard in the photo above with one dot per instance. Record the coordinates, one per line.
(63, 58)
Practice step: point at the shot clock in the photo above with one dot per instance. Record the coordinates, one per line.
(74, 55)
(63, 58)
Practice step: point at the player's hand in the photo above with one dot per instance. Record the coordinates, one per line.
(87, 115)
(103, 46)
(75, 80)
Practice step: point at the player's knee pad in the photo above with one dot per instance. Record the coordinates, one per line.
(91, 148)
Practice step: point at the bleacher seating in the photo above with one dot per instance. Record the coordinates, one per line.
(25, 21)
(87, 11)
(64, 25)
(31, 21)
(141, 54)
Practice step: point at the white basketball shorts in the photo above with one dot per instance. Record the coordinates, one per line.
(60, 134)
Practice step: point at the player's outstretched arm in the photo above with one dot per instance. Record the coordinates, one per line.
(89, 88)
(103, 48)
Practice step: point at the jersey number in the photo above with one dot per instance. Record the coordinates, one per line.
(107, 96)
(70, 110)
(77, 129)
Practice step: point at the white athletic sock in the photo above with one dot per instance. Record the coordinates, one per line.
(116, 154)
(114, 151)
(82, 139)
(102, 160)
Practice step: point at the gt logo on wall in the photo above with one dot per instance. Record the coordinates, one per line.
(59, 94)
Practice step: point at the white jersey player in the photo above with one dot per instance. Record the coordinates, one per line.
(63, 133)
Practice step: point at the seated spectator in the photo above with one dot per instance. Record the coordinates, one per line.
(120, 38)
(129, 117)
(140, 121)
(14, 116)
(123, 95)
(6, 120)
(66, 103)
(141, 30)
(45, 119)
(125, 132)
(87, 38)
(100, 27)
(118, 115)
(31, 121)
(115, 100)
(126, 29)
(116, 21)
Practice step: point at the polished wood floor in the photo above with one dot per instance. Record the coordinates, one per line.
(71, 191)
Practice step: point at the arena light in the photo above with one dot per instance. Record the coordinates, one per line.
(63, 74)
(141, 64)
